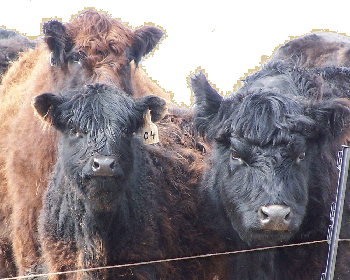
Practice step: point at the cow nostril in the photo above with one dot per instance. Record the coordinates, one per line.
(264, 215)
(288, 217)
(275, 217)
(104, 166)
(112, 165)
(95, 165)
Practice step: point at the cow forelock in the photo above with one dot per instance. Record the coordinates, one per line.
(99, 52)
(99, 33)
(263, 118)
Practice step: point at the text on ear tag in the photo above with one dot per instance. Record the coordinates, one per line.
(149, 131)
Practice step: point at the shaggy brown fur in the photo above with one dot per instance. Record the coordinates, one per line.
(316, 50)
(109, 53)
(181, 151)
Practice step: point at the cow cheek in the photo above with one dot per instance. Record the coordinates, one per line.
(235, 194)
(74, 157)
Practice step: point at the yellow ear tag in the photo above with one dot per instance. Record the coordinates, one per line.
(149, 131)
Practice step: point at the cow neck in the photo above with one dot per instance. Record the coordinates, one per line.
(261, 265)
(142, 85)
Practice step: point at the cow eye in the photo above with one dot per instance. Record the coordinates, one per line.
(124, 132)
(301, 157)
(236, 157)
(76, 57)
(73, 133)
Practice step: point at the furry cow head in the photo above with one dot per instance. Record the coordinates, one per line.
(94, 48)
(273, 141)
(98, 143)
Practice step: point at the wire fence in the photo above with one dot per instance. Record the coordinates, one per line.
(173, 259)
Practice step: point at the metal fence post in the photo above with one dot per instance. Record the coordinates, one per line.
(336, 213)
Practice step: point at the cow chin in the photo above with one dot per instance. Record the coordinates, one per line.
(252, 232)
(101, 189)
(265, 238)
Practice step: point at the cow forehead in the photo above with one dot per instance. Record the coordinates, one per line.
(279, 83)
(263, 118)
(104, 42)
(91, 26)
(286, 145)
(96, 111)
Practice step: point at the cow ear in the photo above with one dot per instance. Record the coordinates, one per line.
(155, 104)
(58, 41)
(332, 118)
(146, 38)
(207, 102)
(46, 105)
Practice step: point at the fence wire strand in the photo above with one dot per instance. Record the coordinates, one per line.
(173, 259)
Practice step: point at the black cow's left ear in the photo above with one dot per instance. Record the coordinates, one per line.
(155, 104)
(146, 38)
(207, 103)
(332, 118)
(46, 105)
(58, 41)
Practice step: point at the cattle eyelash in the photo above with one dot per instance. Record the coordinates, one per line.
(235, 156)
(77, 57)
(301, 157)
(74, 133)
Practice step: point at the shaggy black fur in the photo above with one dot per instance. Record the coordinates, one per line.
(11, 44)
(275, 142)
(142, 212)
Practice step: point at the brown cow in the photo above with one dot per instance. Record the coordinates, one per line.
(91, 48)
(320, 49)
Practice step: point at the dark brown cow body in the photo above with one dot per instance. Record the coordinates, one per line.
(321, 49)
(91, 48)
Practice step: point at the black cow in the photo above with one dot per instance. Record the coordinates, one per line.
(11, 44)
(113, 200)
(271, 175)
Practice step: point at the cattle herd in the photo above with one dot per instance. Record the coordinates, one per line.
(84, 196)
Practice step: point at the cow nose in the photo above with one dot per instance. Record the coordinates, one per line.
(275, 217)
(105, 166)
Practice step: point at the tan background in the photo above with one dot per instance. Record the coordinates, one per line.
(225, 38)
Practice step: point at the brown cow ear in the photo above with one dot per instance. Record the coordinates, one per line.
(57, 40)
(46, 105)
(146, 38)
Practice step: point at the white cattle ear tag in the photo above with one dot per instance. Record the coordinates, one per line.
(149, 131)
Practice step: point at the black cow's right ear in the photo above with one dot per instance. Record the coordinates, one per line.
(58, 41)
(207, 102)
(332, 118)
(46, 105)
(155, 104)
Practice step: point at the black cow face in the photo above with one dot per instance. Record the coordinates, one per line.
(97, 128)
(264, 168)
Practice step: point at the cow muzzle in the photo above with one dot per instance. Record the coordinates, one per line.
(275, 217)
(104, 166)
